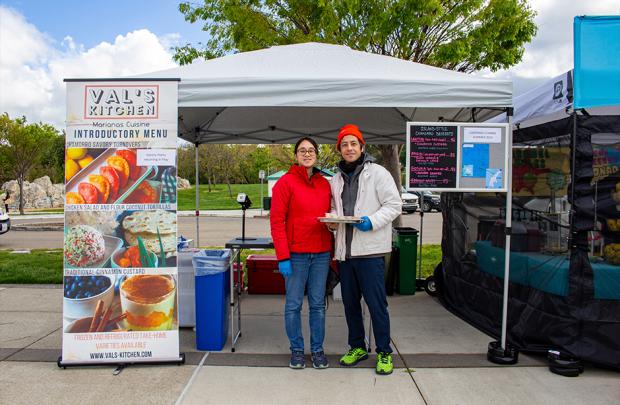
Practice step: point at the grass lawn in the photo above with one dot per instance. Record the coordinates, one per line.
(37, 267)
(43, 211)
(218, 198)
(431, 256)
(45, 266)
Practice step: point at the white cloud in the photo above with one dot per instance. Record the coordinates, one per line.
(32, 66)
(551, 51)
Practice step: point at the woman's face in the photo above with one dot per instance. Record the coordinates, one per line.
(306, 155)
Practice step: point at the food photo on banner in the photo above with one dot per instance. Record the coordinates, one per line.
(120, 239)
(120, 234)
(118, 176)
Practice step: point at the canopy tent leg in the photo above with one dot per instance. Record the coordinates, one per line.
(419, 276)
(573, 145)
(500, 352)
(197, 200)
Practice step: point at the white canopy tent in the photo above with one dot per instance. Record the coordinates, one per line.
(274, 95)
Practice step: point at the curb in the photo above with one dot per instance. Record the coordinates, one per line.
(37, 227)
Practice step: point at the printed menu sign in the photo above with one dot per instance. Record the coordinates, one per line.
(432, 156)
(463, 156)
(120, 237)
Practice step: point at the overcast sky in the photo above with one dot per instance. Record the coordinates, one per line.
(43, 42)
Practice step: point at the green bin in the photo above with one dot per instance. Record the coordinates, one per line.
(406, 240)
(267, 203)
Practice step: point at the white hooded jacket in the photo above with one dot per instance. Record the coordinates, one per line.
(379, 200)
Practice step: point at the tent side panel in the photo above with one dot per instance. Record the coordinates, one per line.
(583, 317)
(599, 319)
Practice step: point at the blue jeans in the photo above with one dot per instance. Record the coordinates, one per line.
(309, 273)
(363, 277)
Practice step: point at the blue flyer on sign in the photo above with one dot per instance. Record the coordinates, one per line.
(475, 159)
(494, 178)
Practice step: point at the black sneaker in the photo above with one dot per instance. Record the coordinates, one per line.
(298, 360)
(319, 360)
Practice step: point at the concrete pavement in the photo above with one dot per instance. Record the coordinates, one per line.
(446, 358)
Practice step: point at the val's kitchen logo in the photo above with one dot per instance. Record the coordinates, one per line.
(121, 102)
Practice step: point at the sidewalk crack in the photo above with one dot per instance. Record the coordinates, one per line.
(409, 371)
(38, 340)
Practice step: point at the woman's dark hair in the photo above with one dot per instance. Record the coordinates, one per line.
(312, 141)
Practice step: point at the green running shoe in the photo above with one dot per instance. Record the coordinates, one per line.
(353, 357)
(384, 363)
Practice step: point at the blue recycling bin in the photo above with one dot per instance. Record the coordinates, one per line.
(212, 292)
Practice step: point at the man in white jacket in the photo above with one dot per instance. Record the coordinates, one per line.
(365, 190)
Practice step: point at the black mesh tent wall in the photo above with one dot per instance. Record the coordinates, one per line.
(564, 289)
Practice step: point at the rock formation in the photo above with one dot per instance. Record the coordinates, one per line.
(182, 183)
(41, 193)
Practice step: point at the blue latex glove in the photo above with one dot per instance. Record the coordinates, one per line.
(285, 267)
(365, 225)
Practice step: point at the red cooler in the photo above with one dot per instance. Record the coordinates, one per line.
(263, 275)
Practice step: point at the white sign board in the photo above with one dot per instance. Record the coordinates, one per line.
(468, 157)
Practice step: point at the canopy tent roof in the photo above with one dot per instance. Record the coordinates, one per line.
(274, 95)
(551, 101)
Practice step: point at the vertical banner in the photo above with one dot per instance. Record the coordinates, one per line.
(597, 61)
(120, 235)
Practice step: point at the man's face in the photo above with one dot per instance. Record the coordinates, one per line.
(350, 148)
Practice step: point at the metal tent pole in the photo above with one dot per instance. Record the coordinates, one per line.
(508, 234)
(504, 354)
(573, 165)
(197, 200)
(419, 275)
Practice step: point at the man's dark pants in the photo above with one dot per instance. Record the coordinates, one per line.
(363, 277)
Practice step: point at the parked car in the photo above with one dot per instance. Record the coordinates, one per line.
(410, 201)
(5, 221)
(430, 202)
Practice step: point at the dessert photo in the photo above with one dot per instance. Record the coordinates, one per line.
(119, 304)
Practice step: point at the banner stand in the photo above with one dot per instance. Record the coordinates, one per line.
(120, 278)
(499, 352)
(467, 157)
(179, 362)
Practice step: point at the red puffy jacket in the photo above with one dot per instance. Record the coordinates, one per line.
(297, 201)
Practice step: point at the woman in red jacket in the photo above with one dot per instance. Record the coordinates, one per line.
(303, 246)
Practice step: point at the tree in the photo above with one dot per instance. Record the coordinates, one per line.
(462, 35)
(186, 159)
(23, 145)
(52, 160)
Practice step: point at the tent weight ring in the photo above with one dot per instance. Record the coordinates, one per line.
(497, 355)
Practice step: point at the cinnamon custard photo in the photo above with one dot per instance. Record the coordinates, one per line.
(149, 302)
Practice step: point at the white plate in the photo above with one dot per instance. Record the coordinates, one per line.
(340, 220)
